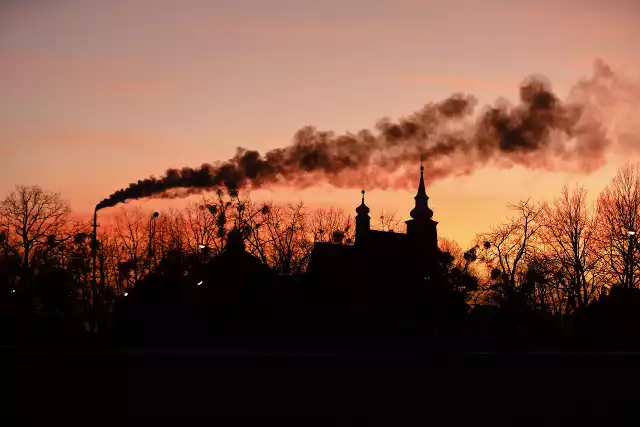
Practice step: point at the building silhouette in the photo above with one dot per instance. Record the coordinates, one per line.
(383, 253)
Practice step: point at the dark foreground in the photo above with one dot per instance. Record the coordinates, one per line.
(237, 383)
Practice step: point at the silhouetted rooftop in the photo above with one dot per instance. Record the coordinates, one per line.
(379, 237)
(327, 256)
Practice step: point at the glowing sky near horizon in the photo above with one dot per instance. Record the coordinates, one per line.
(97, 94)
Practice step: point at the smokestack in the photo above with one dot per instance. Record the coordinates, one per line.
(540, 132)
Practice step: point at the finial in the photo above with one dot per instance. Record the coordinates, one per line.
(362, 209)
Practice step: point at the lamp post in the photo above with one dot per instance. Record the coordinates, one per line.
(151, 228)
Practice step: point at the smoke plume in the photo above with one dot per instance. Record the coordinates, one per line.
(540, 132)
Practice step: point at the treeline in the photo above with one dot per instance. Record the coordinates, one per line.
(560, 256)
(561, 260)
(38, 232)
(48, 270)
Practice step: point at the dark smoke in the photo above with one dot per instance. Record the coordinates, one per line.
(540, 132)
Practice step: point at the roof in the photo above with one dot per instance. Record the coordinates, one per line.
(242, 259)
(378, 237)
(326, 256)
(375, 245)
(235, 266)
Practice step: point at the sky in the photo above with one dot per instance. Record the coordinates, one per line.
(97, 94)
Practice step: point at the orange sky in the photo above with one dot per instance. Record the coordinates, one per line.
(97, 94)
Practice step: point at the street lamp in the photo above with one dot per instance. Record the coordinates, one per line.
(202, 246)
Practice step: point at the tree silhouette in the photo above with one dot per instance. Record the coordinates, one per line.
(29, 216)
(388, 221)
(557, 273)
(330, 225)
(569, 242)
(507, 247)
(619, 221)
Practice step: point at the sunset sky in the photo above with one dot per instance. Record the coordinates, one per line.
(96, 94)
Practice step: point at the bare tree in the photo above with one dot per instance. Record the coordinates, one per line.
(464, 260)
(170, 233)
(451, 247)
(251, 219)
(200, 228)
(331, 225)
(285, 238)
(506, 248)
(388, 221)
(132, 236)
(108, 257)
(570, 247)
(29, 215)
(543, 285)
(619, 223)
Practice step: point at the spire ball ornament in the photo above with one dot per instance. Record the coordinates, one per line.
(363, 209)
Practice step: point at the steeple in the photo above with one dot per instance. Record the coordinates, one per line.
(363, 209)
(421, 210)
(363, 220)
(421, 228)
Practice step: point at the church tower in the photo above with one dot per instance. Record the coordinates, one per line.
(421, 229)
(363, 220)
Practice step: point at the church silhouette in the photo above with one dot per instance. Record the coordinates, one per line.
(383, 252)
(385, 286)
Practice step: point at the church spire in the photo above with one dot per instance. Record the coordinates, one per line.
(421, 210)
(363, 209)
(363, 220)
